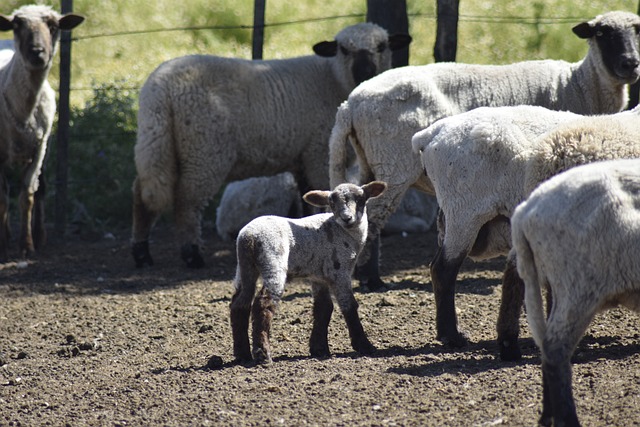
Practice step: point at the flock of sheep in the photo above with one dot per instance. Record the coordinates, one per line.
(493, 144)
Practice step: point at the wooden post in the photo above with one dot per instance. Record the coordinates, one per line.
(258, 28)
(447, 32)
(392, 16)
(62, 152)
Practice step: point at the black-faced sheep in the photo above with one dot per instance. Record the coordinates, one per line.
(322, 248)
(204, 120)
(381, 115)
(27, 110)
(482, 164)
(578, 235)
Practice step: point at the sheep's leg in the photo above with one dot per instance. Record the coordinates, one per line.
(322, 310)
(349, 308)
(263, 310)
(565, 327)
(26, 202)
(39, 231)
(508, 325)
(4, 217)
(240, 310)
(143, 220)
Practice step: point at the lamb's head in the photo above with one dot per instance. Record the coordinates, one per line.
(346, 201)
(36, 31)
(361, 51)
(614, 36)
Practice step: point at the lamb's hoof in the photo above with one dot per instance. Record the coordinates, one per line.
(262, 357)
(141, 255)
(509, 350)
(365, 348)
(373, 285)
(191, 255)
(455, 340)
(320, 352)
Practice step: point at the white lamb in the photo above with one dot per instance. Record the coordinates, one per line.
(248, 199)
(381, 115)
(578, 235)
(482, 164)
(27, 110)
(204, 120)
(323, 248)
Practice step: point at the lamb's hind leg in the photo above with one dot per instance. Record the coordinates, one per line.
(240, 310)
(143, 220)
(322, 310)
(349, 308)
(508, 325)
(263, 310)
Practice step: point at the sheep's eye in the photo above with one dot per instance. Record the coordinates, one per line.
(599, 33)
(344, 50)
(382, 47)
(53, 25)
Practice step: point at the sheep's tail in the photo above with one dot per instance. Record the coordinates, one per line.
(155, 152)
(533, 293)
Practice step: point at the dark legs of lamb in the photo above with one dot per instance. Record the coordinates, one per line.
(39, 230)
(262, 313)
(349, 308)
(322, 310)
(368, 273)
(143, 220)
(443, 278)
(508, 325)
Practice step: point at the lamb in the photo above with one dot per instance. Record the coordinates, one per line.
(27, 110)
(204, 120)
(322, 247)
(381, 115)
(482, 164)
(577, 235)
(248, 199)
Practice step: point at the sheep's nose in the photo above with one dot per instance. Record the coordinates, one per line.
(630, 63)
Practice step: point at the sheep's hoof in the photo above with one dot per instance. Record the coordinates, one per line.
(141, 255)
(191, 255)
(509, 350)
(320, 352)
(456, 340)
(365, 348)
(262, 357)
(373, 285)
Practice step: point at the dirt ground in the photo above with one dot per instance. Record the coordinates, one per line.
(88, 340)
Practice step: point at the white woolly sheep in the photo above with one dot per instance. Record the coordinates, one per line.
(482, 164)
(577, 235)
(204, 120)
(27, 110)
(323, 248)
(248, 199)
(381, 115)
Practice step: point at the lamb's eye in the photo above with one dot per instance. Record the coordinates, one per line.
(599, 33)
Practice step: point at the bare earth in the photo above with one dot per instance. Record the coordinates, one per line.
(86, 339)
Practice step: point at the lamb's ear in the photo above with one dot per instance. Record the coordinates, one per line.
(326, 49)
(317, 198)
(399, 41)
(70, 21)
(584, 30)
(374, 188)
(6, 23)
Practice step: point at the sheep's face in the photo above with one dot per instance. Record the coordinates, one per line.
(362, 51)
(616, 35)
(36, 31)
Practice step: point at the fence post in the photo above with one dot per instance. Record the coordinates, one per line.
(258, 28)
(62, 152)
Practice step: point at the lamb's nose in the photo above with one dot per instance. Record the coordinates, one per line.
(630, 63)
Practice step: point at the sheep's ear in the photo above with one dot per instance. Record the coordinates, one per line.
(70, 21)
(326, 49)
(317, 198)
(399, 41)
(584, 30)
(374, 188)
(6, 24)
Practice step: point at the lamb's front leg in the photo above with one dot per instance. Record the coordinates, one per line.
(26, 202)
(349, 308)
(322, 310)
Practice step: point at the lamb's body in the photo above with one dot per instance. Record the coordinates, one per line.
(204, 120)
(482, 164)
(322, 248)
(579, 235)
(381, 115)
(27, 110)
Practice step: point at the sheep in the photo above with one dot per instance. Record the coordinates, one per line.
(27, 109)
(577, 235)
(382, 114)
(248, 199)
(321, 247)
(482, 164)
(204, 120)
